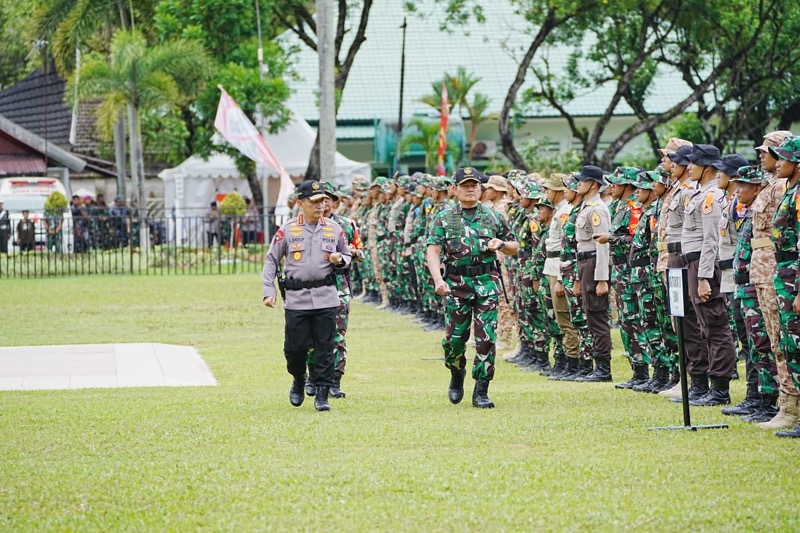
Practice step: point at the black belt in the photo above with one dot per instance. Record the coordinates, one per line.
(621, 260)
(674, 247)
(293, 284)
(726, 264)
(567, 257)
(690, 257)
(471, 270)
(782, 257)
(583, 256)
(741, 278)
(551, 255)
(640, 261)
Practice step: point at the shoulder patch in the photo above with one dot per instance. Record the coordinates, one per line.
(534, 226)
(797, 206)
(686, 200)
(278, 236)
(596, 219)
(708, 203)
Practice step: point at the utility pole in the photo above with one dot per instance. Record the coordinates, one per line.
(327, 102)
(402, 84)
(259, 127)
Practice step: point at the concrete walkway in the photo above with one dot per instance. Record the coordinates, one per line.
(83, 366)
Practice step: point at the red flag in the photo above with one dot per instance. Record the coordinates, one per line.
(445, 115)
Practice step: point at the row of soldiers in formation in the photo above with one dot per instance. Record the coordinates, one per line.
(732, 225)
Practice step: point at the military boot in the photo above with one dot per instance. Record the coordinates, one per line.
(560, 361)
(479, 395)
(321, 399)
(641, 374)
(766, 410)
(520, 352)
(336, 390)
(717, 395)
(456, 390)
(528, 358)
(788, 414)
(601, 373)
(296, 392)
(792, 434)
(311, 389)
(748, 406)
(542, 363)
(584, 369)
(661, 380)
(569, 369)
(698, 389)
(674, 390)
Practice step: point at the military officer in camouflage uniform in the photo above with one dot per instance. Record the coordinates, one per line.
(314, 248)
(699, 248)
(594, 269)
(786, 229)
(469, 235)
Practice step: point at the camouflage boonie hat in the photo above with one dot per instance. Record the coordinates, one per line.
(554, 182)
(647, 179)
(516, 174)
(531, 190)
(498, 183)
(625, 175)
(750, 174)
(773, 138)
(379, 181)
(789, 150)
(571, 182)
(673, 145)
(544, 202)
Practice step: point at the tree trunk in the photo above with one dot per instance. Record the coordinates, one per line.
(255, 188)
(136, 147)
(133, 156)
(313, 161)
(119, 153)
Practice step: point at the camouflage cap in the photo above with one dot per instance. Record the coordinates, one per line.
(419, 191)
(750, 174)
(498, 183)
(330, 189)
(544, 202)
(626, 175)
(441, 183)
(554, 182)
(531, 190)
(571, 182)
(773, 138)
(789, 150)
(516, 174)
(379, 181)
(647, 179)
(672, 146)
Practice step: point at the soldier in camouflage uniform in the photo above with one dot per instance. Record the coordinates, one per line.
(469, 235)
(419, 235)
(402, 294)
(440, 186)
(749, 184)
(786, 228)
(569, 276)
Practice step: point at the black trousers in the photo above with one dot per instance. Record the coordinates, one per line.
(311, 327)
(696, 349)
(596, 309)
(712, 319)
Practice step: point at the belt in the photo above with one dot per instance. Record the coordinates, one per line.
(567, 257)
(640, 261)
(583, 256)
(690, 257)
(551, 255)
(621, 260)
(726, 264)
(471, 270)
(741, 278)
(674, 247)
(293, 284)
(782, 257)
(761, 242)
(662, 247)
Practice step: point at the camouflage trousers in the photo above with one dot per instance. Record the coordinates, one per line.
(507, 315)
(759, 347)
(646, 322)
(551, 330)
(784, 281)
(339, 341)
(482, 313)
(669, 337)
(579, 320)
(385, 267)
(525, 306)
(370, 283)
(628, 313)
(768, 300)
(427, 295)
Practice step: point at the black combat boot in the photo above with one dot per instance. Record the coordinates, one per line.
(336, 390)
(641, 374)
(456, 390)
(559, 366)
(661, 380)
(296, 392)
(717, 395)
(570, 367)
(523, 347)
(321, 399)
(790, 434)
(528, 357)
(766, 410)
(542, 362)
(479, 395)
(698, 389)
(748, 406)
(583, 369)
(311, 389)
(601, 373)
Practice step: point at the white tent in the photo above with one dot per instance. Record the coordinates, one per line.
(192, 185)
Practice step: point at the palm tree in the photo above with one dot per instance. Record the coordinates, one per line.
(137, 79)
(477, 116)
(427, 136)
(458, 88)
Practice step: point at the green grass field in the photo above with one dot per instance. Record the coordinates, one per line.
(393, 456)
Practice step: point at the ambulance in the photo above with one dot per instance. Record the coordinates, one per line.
(19, 194)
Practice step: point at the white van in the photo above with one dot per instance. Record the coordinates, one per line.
(30, 193)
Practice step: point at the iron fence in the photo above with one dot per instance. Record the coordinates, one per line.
(100, 244)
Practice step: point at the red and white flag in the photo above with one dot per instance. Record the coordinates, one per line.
(443, 120)
(237, 129)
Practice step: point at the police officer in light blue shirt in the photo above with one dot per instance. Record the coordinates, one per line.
(312, 248)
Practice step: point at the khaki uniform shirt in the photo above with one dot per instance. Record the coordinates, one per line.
(593, 219)
(701, 227)
(762, 263)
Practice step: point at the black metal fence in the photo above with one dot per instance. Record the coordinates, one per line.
(97, 244)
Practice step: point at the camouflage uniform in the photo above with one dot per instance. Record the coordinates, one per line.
(475, 292)
(569, 274)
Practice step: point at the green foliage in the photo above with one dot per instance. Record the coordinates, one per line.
(55, 203)
(424, 135)
(14, 48)
(164, 136)
(541, 157)
(233, 205)
(687, 127)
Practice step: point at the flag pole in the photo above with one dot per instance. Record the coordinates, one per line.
(264, 176)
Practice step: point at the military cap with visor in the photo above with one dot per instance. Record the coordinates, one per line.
(310, 190)
(750, 174)
(626, 175)
(329, 189)
(789, 150)
(465, 174)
